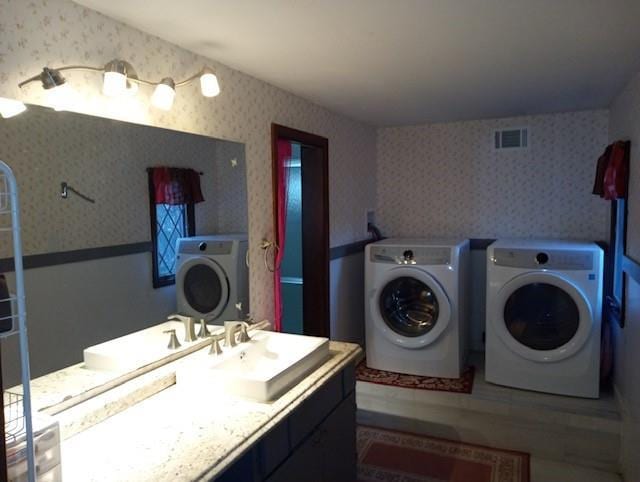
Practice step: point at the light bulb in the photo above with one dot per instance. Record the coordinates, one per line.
(61, 97)
(114, 84)
(209, 84)
(11, 107)
(164, 94)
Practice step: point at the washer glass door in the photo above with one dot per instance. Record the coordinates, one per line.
(409, 306)
(541, 316)
(204, 286)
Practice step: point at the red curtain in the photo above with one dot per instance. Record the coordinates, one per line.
(173, 185)
(282, 174)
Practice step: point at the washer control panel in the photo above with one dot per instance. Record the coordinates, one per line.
(564, 260)
(411, 255)
(206, 247)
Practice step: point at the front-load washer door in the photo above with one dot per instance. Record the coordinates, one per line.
(542, 317)
(204, 286)
(409, 307)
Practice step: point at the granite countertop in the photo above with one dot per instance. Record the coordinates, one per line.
(185, 432)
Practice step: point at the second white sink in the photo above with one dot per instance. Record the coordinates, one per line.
(267, 365)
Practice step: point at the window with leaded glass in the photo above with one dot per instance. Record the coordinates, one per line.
(171, 222)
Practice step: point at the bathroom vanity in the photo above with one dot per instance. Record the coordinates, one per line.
(165, 425)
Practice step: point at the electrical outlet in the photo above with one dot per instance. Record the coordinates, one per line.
(370, 218)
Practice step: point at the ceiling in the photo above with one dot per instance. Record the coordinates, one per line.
(400, 62)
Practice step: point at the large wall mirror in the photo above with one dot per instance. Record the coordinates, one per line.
(89, 275)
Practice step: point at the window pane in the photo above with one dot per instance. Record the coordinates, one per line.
(171, 225)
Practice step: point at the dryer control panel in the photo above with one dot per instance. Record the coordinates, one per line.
(205, 247)
(564, 260)
(411, 255)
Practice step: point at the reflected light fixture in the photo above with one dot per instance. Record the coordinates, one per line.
(119, 79)
(11, 107)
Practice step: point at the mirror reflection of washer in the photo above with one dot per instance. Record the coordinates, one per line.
(544, 304)
(417, 306)
(212, 276)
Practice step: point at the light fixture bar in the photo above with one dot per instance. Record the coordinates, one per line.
(120, 77)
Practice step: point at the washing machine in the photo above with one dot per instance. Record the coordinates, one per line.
(417, 306)
(212, 279)
(544, 305)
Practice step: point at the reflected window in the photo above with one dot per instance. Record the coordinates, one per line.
(409, 307)
(541, 316)
(169, 222)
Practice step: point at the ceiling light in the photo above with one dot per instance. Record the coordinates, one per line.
(209, 83)
(119, 77)
(164, 94)
(11, 107)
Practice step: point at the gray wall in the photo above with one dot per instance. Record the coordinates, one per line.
(73, 306)
(347, 298)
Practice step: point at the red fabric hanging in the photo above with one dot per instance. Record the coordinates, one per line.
(612, 171)
(617, 172)
(173, 185)
(284, 155)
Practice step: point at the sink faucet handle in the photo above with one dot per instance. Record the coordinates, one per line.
(244, 334)
(189, 329)
(174, 344)
(204, 330)
(215, 347)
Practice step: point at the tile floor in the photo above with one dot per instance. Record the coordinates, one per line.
(570, 439)
(543, 470)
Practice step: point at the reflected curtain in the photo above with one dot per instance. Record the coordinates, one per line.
(282, 176)
(174, 185)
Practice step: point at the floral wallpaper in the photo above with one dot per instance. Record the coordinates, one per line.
(107, 161)
(37, 33)
(453, 182)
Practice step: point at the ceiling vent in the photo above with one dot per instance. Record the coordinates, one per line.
(515, 138)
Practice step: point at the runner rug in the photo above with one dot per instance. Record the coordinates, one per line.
(385, 455)
(464, 384)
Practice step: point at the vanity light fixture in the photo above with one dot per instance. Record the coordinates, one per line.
(11, 107)
(119, 79)
(164, 93)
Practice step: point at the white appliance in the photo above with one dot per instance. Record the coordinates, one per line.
(416, 306)
(212, 277)
(544, 304)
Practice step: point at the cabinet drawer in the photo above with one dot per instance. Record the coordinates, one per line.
(273, 448)
(313, 410)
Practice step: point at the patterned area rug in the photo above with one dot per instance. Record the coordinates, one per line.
(385, 455)
(464, 384)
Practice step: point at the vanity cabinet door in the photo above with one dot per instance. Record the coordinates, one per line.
(329, 453)
(339, 457)
(303, 464)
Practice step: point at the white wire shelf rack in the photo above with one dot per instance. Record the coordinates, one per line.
(17, 407)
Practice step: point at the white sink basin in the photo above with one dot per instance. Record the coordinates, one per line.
(138, 349)
(266, 366)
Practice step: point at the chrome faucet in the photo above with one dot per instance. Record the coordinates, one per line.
(189, 326)
(230, 328)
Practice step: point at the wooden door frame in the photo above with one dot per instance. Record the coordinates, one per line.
(316, 311)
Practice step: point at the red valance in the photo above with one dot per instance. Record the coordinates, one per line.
(612, 171)
(174, 185)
